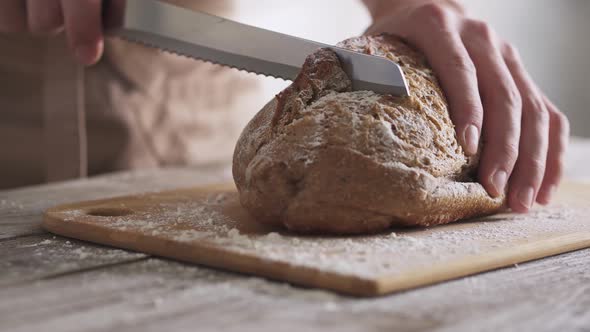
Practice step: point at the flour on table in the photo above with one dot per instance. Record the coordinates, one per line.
(203, 222)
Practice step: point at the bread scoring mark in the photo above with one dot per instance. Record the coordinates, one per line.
(320, 75)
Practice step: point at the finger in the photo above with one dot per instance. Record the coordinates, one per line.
(13, 16)
(530, 166)
(439, 38)
(559, 131)
(44, 16)
(84, 28)
(502, 107)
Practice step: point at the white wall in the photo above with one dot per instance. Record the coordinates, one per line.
(552, 36)
(328, 21)
(553, 39)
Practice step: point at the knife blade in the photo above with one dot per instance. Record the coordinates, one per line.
(211, 38)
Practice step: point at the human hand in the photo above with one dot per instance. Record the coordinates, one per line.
(81, 20)
(490, 94)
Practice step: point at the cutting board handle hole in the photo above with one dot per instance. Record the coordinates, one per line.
(109, 212)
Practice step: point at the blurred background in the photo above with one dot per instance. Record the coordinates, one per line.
(552, 36)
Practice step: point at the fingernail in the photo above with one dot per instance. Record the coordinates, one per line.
(471, 137)
(87, 54)
(526, 196)
(499, 181)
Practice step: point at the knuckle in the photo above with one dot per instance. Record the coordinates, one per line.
(513, 98)
(534, 103)
(510, 53)
(509, 152)
(561, 122)
(468, 111)
(536, 107)
(462, 63)
(535, 167)
(473, 111)
(435, 13)
(481, 29)
(508, 97)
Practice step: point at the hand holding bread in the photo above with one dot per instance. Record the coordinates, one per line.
(491, 97)
(321, 158)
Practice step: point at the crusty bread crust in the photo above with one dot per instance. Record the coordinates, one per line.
(320, 158)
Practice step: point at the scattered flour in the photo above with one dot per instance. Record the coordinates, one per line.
(204, 222)
(11, 205)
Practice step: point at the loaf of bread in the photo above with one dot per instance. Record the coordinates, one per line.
(320, 158)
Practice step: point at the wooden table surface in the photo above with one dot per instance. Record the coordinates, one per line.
(49, 283)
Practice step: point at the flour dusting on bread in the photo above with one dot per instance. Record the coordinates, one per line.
(323, 158)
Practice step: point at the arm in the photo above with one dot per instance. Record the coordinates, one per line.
(492, 98)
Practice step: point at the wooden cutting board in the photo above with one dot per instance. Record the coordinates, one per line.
(208, 226)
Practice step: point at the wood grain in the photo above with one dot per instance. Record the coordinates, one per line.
(155, 227)
(21, 209)
(156, 295)
(32, 258)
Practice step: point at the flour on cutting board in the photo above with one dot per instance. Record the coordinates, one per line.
(202, 221)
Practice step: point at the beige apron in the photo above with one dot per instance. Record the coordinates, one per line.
(137, 108)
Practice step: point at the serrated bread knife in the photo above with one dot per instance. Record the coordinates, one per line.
(206, 37)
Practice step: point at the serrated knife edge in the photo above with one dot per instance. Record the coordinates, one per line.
(146, 42)
(206, 37)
